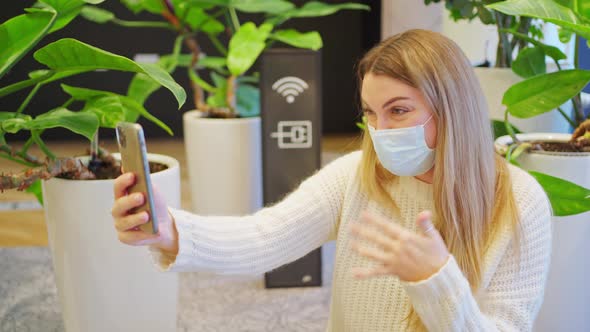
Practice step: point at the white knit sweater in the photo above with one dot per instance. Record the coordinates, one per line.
(320, 210)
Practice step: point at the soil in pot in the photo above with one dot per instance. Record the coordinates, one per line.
(107, 168)
(559, 146)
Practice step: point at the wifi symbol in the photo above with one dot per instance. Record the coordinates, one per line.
(290, 87)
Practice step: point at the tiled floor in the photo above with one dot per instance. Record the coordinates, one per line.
(27, 227)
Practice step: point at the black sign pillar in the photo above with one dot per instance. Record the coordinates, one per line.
(291, 111)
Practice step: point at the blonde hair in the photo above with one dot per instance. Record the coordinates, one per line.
(473, 196)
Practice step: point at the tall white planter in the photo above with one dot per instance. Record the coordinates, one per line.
(495, 82)
(567, 296)
(224, 159)
(104, 285)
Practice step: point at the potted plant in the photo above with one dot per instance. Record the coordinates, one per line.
(102, 284)
(560, 162)
(512, 60)
(223, 133)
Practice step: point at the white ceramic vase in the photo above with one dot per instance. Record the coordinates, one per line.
(224, 158)
(567, 296)
(104, 285)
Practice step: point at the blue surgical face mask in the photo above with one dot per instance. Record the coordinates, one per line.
(403, 151)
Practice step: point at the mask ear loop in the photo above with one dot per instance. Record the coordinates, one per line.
(424, 124)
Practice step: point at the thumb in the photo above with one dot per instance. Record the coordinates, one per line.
(425, 224)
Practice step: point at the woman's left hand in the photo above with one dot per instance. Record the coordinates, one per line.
(398, 251)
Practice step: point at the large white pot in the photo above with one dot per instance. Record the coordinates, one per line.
(567, 295)
(495, 82)
(224, 159)
(104, 285)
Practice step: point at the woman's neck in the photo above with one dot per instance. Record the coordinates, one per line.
(427, 177)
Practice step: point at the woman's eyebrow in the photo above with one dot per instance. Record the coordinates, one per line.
(393, 100)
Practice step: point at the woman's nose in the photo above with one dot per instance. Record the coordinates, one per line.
(381, 124)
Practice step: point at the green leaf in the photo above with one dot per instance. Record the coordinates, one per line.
(245, 46)
(552, 51)
(36, 189)
(97, 15)
(82, 123)
(316, 9)
(212, 62)
(311, 40)
(142, 86)
(565, 35)
(20, 34)
(67, 10)
(530, 62)
(248, 100)
(152, 6)
(567, 198)
(199, 20)
(69, 54)
(249, 6)
(8, 115)
(109, 110)
(112, 108)
(499, 128)
(200, 82)
(545, 92)
(485, 15)
(583, 8)
(547, 10)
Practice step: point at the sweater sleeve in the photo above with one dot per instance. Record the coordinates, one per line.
(276, 235)
(513, 297)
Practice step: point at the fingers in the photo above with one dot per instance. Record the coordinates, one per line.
(122, 183)
(131, 221)
(371, 234)
(138, 238)
(371, 253)
(425, 225)
(124, 204)
(391, 229)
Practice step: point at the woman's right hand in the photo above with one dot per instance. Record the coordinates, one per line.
(126, 223)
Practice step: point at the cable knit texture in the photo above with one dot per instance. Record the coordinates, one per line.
(320, 210)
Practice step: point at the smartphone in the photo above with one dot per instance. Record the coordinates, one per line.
(134, 159)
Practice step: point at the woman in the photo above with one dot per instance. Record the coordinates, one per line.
(479, 261)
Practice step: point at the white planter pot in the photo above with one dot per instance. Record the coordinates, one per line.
(495, 82)
(224, 159)
(567, 296)
(104, 285)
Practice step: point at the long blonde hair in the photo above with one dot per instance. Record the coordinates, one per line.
(473, 196)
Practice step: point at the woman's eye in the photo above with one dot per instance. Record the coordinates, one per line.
(398, 111)
(368, 112)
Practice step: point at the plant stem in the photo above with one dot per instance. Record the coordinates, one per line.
(571, 122)
(503, 43)
(68, 103)
(234, 18)
(19, 161)
(24, 84)
(230, 96)
(22, 155)
(220, 48)
(577, 100)
(142, 24)
(27, 145)
(509, 128)
(94, 147)
(557, 64)
(41, 145)
(29, 97)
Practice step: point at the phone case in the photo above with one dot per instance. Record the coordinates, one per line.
(134, 159)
